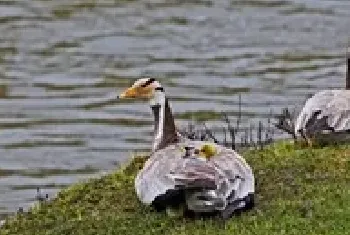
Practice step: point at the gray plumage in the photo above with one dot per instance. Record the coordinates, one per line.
(327, 112)
(209, 185)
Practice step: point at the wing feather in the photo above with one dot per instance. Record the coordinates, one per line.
(326, 110)
(226, 177)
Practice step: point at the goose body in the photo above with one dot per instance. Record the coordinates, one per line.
(209, 184)
(325, 115)
(221, 181)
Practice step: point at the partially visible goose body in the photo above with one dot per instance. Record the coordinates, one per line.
(177, 172)
(325, 117)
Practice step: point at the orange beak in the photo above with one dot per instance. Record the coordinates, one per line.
(129, 93)
(136, 92)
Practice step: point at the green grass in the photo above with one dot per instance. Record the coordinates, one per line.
(299, 191)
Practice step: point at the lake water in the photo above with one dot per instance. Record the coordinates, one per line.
(62, 64)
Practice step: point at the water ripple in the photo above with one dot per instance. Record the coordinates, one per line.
(63, 63)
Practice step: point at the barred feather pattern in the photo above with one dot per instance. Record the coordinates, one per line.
(326, 112)
(209, 184)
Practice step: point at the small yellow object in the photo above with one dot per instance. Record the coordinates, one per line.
(207, 151)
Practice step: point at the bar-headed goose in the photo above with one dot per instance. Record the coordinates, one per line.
(221, 181)
(326, 115)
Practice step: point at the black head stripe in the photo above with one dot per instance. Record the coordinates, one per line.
(149, 82)
(159, 89)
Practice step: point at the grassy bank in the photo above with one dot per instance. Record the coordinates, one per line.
(299, 191)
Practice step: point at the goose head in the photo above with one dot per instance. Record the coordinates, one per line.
(145, 88)
(164, 127)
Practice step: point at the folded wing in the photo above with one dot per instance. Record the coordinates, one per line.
(208, 185)
(327, 111)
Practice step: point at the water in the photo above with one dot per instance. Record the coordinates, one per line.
(62, 64)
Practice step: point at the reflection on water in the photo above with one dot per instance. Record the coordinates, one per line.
(62, 63)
